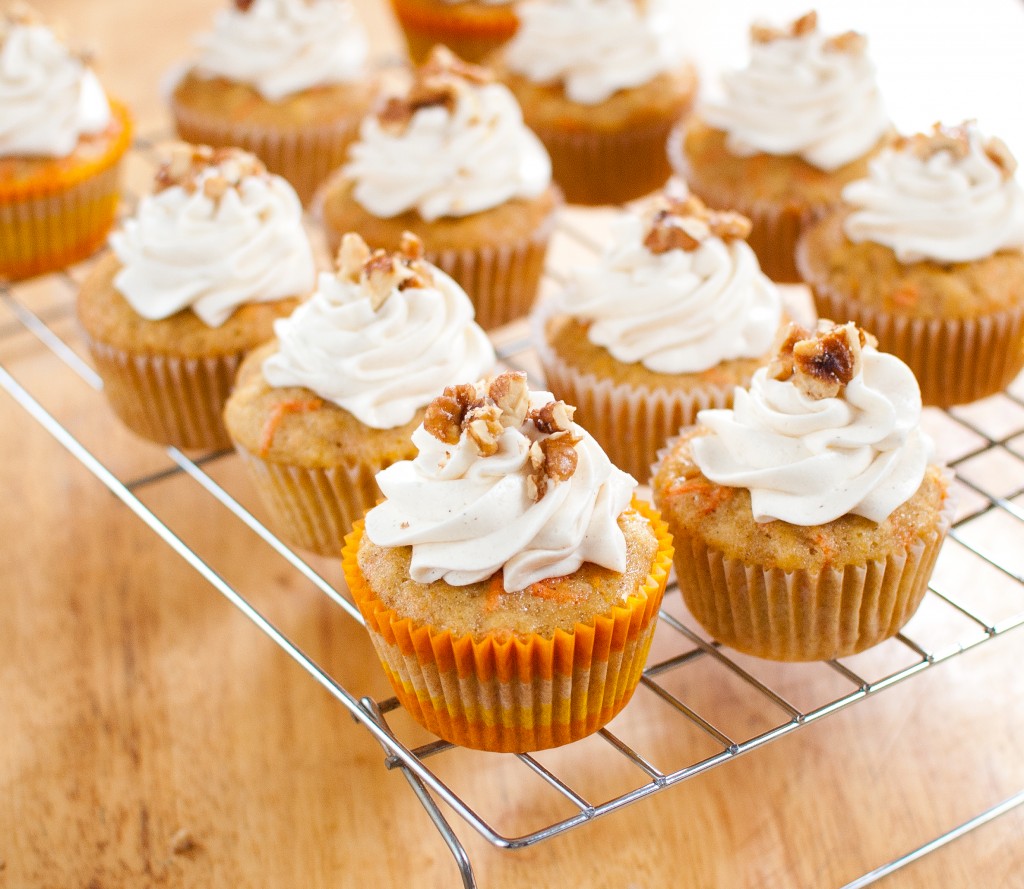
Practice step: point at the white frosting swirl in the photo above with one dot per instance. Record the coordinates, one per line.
(808, 461)
(381, 366)
(477, 156)
(679, 311)
(185, 249)
(48, 98)
(940, 208)
(596, 47)
(467, 516)
(799, 97)
(282, 47)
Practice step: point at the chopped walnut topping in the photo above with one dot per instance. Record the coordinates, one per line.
(510, 392)
(684, 224)
(851, 42)
(806, 24)
(553, 458)
(444, 415)
(243, 5)
(555, 416)
(820, 364)
(437, 82)
(1000, 155)
(484, 427)
(380, 272)
(215, 170)
(957, 141)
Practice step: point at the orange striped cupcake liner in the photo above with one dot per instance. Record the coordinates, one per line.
(521, 693)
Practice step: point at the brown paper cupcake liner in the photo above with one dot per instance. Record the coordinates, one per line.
(806, 615)
(955, 360)
(305, 158)
(608, 168)
(631, 423)
(776, 228)
(314, 508)
(521, 693)
(167, 399)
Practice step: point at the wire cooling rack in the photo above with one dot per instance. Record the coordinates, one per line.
(984, 444)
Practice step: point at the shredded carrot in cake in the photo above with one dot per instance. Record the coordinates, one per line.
(907, 295)
(551, 589)
(495, 587)
(824, 544)
(277, 414)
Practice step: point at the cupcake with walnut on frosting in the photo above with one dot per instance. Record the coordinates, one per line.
(508, 585)
(927, 252)
(602, 82)
(675, 316)
(807, 519)
(450, 159)
(193, 282)
(284, 79)
(787, 133)
(334, 398)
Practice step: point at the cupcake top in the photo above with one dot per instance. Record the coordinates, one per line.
(947, 196)
(218, 232)
(678, 290)
(504, 480)
(49, 97)
(452, 144)
(804, 94)
(381, 336)
(829, 428)
(282, 47)
(595, 48)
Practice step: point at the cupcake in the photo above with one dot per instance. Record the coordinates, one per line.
(334, 399)
(448, 157)
(193, 282)
(789, 131)
(509, 586)
(61, 144)
(602, 82)
(928, 254)
(472, 29)
(284, 79)
(675, 316)
(807, 519)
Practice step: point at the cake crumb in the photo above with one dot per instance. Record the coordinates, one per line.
(183, 843)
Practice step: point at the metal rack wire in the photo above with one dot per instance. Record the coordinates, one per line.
(949, 623)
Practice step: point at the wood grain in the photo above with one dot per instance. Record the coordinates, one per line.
(151, 736)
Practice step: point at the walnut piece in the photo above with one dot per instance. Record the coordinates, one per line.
(215, 170)
(380, 272)
(510, 393)
(551, 459)
(806, 24)
(684, 224)
(954, 139)
(555, 416)
(851, 42)
(820, 364)
(443, 417)
(483, 427)
(1000, 155)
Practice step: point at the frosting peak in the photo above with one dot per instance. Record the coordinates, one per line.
(282, 47)
(803, 93)
(218, 232)
(596, 47)
(678, 290)
(947, 196)
(452, 144)
(830, 428)
(504, 480)
(380, 336)
(49, 98)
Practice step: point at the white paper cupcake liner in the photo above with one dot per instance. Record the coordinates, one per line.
(167, 399)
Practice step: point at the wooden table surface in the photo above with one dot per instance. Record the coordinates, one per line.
(151, 736)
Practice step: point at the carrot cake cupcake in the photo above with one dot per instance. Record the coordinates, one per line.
(470, 28)
(193, 282)
(788, 132)
(673, 319)
(334, 399)
(928, 254)
(449, 158)
(808, 518)
(284, 79)
(508, 584)
(61, 144)
(602, 82)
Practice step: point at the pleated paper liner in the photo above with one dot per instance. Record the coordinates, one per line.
(47, 224)
(314, 508)
(631, 423)
(517, 694)
(955, 360)
(304, 157)
(806, 615)
(167, 399)
(776, 227)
